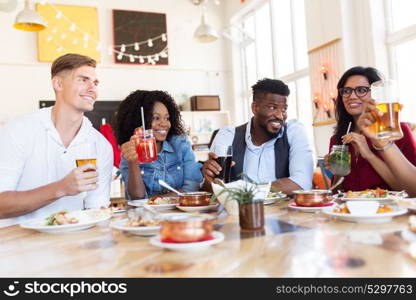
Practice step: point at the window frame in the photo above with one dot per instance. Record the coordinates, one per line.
(395, 38)
(294, 76)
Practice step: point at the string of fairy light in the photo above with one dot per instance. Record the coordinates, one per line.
(129, 50)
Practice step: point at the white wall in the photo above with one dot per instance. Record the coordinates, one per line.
(323, 21)
(194, 68)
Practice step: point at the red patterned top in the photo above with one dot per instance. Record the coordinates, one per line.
(363, 176)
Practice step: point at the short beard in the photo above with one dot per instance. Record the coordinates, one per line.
(271, 135)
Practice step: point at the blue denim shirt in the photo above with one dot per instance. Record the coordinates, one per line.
(175, 165)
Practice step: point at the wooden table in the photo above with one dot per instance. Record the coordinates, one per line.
(294, 244)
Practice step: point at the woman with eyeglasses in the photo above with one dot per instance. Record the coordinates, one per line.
(368, 170)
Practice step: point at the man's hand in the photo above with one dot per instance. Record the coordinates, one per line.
(211, 168)
(128, 149)
(81, 179)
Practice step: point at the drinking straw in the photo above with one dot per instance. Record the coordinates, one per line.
(349, 127)
(348, 131)
(144, 128)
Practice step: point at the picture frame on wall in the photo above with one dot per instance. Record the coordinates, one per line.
(140, 38)
(75, 31)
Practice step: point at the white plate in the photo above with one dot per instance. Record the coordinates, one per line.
(409, 203)
(272, 200)
(140, 202)
(377, 218)
(136, 230)
(87, 219)
(196, 246)
(308, 208)
(390, 196)
(197, 208)
(119, 211)
(408, 235)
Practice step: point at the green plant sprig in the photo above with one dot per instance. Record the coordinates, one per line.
(242, 195)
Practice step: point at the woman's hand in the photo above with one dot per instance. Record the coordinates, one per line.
(366, 123)
(359, 143)
(368, 118)
(128, 149)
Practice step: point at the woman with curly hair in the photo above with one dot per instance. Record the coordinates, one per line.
(175, 164)
(368, 169)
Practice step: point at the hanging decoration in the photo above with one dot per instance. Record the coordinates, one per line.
(140, 37)
(324, 74)
(75, 29)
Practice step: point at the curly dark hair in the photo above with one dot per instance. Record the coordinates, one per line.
(266, 85)
(128, 115)
(341, 114)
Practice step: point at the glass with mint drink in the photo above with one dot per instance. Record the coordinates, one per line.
(340, 160)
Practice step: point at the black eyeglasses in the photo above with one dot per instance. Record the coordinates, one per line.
(360, 91)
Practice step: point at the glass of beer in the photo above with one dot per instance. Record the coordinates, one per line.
(86, 153)
(385, 93)
(224, 159)
(145, 146)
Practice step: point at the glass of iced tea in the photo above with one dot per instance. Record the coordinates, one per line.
(386, 95)
(224, 159)
(145, 145)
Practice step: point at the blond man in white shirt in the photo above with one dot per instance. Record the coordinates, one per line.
(37, 157)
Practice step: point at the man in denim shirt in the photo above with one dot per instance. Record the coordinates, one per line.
(267, 149)
(175, 163)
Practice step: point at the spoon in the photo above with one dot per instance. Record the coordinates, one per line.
(151, 210)
(341, 180)
(164, 184)
(402, 194)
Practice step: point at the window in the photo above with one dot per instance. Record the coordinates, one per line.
(402, 14)
(401, 43)
(279, 51)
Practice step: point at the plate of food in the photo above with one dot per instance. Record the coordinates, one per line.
(308, 209)
(409, 233)
(369, 194)
(217, 237)
(65, 221)
(197, 208)
(383, 214)
(158, 203)
(140, 227)
(144, 224)
(115, 208)
(273, 197)
(409, 203)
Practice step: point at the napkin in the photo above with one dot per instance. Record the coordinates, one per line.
(231, 206)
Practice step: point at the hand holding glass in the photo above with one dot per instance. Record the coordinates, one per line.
(387, 126)
(86, 153)
(224, 159)
(145, 145)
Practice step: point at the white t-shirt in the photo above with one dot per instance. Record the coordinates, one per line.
(32, 155)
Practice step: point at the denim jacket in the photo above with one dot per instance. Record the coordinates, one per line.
(175, 165)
